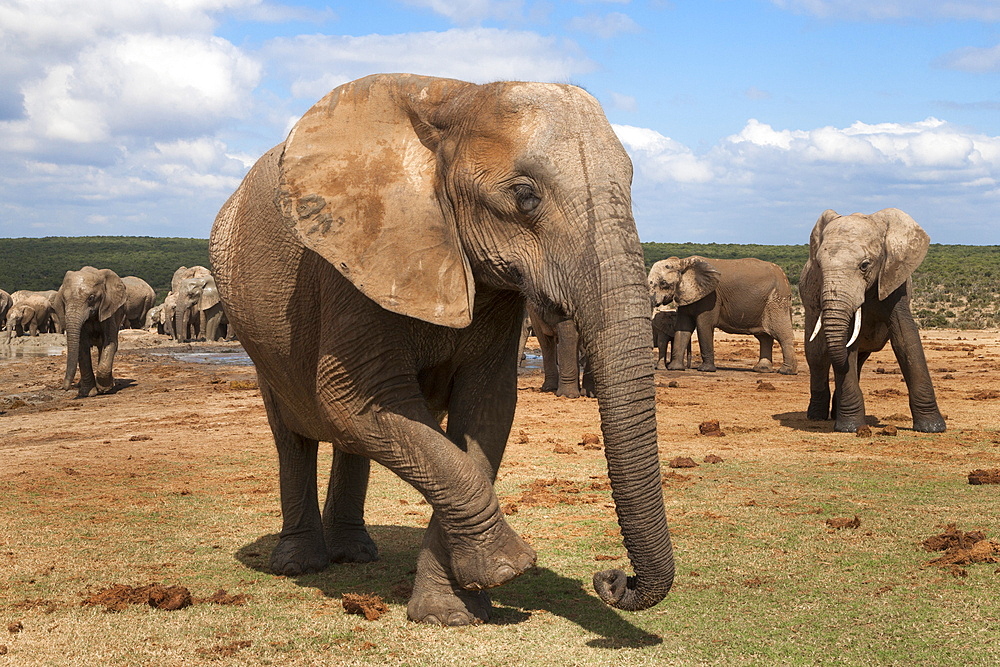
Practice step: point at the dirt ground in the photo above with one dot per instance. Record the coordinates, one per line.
(161, 393)
(174, 425)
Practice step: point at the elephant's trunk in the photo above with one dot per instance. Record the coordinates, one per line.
(616, 331)
(74, 326)
(838, 317)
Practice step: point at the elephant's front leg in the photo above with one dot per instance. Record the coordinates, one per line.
(550, 367)
(108, 347)
(848, 400)
(765, 362)
(706, 345)
(480, 415)
(347, 539)
(301, 547)
(88, 383)
(909, 351)
(568, 359)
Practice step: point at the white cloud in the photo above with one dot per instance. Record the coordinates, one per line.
(971, 59)
(476, 54)
(660, 158)
(623, 102)
(943, 175)
(976, 10)
(467, 12)
(604, 26)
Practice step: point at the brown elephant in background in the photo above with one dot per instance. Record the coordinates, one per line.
(561, 357)
(856, 289)
(375, 266)
(5, 304)
(29, 315)
(192, 301)
(139, 298)
(92, 304)
(740, 296)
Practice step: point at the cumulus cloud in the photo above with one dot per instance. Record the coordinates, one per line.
(943, 175)
(475, 54)
(979, 10)
(604, 26)
(660, 158)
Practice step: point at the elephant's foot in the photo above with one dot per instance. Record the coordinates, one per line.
(788, 370)
(549, 386)
(848, 425)
(679, 366)
(707, 367)
(299, 554)
(932, 424)
(763, 366)
(568, 392)
(491, 559)
(447, 606)
(350, 545)
(819, 409)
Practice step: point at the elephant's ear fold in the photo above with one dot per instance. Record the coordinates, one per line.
(113, 297)
(698, 279)
(906, 246)
(816, 237)
(209, 295)
(357, 179)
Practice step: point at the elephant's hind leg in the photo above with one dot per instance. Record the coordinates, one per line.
(347, 539)
(765, 363)
(301, 547)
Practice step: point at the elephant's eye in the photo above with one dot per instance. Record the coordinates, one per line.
(865, 264)
(527, 199)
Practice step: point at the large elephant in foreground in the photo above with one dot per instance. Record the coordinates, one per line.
(740, 296)
(92, 305)
(560, 345)
(375, 267)
(856, 291)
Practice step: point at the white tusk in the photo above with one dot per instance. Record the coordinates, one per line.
(819, 325)
(857, 327)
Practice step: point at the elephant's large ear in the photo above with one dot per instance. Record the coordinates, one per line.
(357, 178)
(698, 279)
(906, 246)
(209, 295)
(816, 237)
(114, 295)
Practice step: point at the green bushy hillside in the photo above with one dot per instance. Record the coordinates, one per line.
(956, 286)
(39, 264)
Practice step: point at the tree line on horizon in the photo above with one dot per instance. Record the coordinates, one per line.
(955, 286)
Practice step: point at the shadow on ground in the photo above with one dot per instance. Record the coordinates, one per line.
(541, 590)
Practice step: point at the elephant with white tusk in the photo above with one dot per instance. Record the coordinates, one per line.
(375, 266)
(856, 291)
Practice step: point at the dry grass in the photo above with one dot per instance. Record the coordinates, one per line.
(762, 578)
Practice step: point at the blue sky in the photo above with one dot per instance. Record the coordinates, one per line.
(745, 119)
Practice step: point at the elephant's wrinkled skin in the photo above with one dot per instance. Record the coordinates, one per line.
(91, 303)
(740, 296)
(375, 267)
(859, 267)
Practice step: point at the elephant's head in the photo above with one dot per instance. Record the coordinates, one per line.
(85, 297)
(683, 281)
(421, 191)
(852, 254)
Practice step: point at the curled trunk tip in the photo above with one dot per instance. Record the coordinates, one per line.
(621, 591)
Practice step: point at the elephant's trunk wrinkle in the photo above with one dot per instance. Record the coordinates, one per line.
(616, 332)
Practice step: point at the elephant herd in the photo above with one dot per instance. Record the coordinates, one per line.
(377, 264)
(92, 305)
(857, 278)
